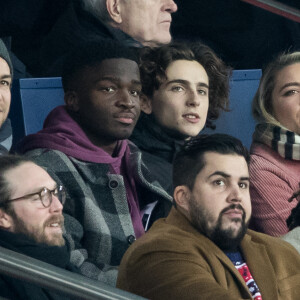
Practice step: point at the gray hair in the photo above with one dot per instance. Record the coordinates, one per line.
(262, 109)
(98, 9)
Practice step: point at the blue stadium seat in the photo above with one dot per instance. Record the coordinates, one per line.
(239, 121)
(34, 98)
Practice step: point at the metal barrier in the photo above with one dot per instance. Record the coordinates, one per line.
(278, 8)
(53, 278)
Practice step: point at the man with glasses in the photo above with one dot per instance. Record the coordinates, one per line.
(31, 222)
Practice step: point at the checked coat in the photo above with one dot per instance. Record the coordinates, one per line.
(100, 226)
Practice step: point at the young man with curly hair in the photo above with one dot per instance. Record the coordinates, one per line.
(184, 88)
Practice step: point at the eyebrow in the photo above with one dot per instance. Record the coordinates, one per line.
(225, 175)
(5, 76)
(289, 84)
(38, 190)
(117, 80)
(186, 82)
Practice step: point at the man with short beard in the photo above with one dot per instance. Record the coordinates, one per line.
(203, 249)
(31, 222)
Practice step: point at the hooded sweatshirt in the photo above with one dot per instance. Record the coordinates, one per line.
(61, 132)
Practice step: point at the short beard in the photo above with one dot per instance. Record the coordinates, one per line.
(225, 239)
(36, 234)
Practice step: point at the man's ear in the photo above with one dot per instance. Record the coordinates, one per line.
(114, 10)
(182, 196)
(71, 101)
(5, 220)
(146, 105)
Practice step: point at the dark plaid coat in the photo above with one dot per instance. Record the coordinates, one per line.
(100, 225)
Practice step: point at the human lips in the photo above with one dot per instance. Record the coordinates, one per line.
(125, 118)
(191, 117)
(234, 212)
(166, 18)
(55, 223)
(55, 228)
(167, 22)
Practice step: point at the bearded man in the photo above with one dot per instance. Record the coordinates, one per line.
(203, 249)
(31, 222)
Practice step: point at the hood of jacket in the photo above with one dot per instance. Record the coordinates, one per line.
(61, 132)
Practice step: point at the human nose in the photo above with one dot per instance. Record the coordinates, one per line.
(235, 195)
(126, 100)
(170, 6)
(193, 99)
(56, 205)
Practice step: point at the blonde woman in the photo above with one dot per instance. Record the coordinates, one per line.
(275, 151)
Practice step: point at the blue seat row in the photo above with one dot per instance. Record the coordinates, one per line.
(34, 98)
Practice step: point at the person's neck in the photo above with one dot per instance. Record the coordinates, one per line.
(231, 250)
(164, 133)
(106, 144)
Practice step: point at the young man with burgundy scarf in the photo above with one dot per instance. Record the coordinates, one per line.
(84, 146)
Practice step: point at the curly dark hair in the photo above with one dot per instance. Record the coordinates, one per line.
(155, 61)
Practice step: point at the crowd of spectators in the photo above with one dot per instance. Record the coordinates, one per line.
(120, 185)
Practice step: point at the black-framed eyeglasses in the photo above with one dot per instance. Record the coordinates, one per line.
(45, 196)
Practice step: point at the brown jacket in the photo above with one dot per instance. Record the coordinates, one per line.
(174, 261)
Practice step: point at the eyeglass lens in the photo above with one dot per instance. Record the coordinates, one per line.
(46, 195)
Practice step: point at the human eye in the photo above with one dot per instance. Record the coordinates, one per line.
(219, 182)
(108, 89)
(54, 191)
(35, 198)
(290, 93)
(202, 92)
(5, 82)
(177, 88)
(135, 93)
(244, 185)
